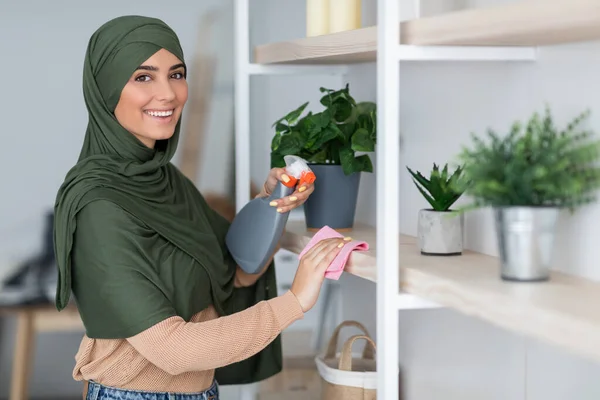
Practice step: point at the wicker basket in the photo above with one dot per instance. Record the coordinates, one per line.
(346, 375)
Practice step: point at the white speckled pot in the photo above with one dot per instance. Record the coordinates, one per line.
(440, 233)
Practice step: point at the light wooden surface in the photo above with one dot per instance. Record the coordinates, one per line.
(519, 23)
(32, 320)
(23, 354)
(563, 311)
(343, 47)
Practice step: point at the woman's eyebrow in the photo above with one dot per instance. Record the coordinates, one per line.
(180, 65)
(153, 68)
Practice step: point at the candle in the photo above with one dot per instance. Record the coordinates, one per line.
(344, 15)
(317, 17)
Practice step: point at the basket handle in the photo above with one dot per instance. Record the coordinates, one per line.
(346, 357)
(333, 341)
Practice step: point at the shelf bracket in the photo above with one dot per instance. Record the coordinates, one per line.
(411, 302)
(466, 53)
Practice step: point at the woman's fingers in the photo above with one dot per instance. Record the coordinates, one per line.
(327, 260)
(334, 248)
(274, 176)
(326, 246)
(318, 247)
(295, 199)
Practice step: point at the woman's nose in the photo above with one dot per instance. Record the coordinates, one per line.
(165, 91)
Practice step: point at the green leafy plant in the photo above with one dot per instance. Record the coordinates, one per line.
(441, 189)
(332, 136)
(534, 165)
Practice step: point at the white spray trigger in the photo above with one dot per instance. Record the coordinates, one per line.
(296, 166)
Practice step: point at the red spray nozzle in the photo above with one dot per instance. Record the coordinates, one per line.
(307, 177)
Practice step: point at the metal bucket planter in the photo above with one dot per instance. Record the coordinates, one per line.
(526, 242)
(333, 203)
(440, 232)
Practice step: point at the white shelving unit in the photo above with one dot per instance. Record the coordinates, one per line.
(562, 311)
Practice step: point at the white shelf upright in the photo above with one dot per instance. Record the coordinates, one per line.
(388, 223)
(242, 102)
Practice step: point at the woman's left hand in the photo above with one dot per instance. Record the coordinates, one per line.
(293, 200)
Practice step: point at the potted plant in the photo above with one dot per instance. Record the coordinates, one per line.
(440, 230)
(527, 177)
(329, 141)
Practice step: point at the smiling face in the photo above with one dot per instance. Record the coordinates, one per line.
(151, 102)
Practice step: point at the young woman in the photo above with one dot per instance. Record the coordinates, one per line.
(165, 308)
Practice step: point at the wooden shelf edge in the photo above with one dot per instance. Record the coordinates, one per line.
(527, 23)
(520, 23)
(353, 46)
(561, 312)
(519, 310)
(46, 318)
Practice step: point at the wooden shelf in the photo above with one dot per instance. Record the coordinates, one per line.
(521, 23)
(562, 311)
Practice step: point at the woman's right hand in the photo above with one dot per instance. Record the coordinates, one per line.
(311, 271)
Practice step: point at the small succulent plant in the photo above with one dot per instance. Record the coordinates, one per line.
(440, 190)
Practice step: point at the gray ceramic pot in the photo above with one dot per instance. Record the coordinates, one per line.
(333, 203)
(440, 233)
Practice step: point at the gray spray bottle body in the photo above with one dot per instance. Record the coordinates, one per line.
(258, 226)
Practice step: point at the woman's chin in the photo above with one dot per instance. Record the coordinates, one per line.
(161, 134)
(164, 136)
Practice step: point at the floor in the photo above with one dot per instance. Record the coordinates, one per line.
(299, 378)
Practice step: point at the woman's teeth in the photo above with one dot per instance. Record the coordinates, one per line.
(160, 113)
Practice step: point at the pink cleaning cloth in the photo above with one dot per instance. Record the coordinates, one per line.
(335, 269)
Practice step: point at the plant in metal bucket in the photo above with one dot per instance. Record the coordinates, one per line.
(527, 177)
(536, 165)
(440, 232)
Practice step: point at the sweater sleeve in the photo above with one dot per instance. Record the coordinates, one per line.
(176, 346)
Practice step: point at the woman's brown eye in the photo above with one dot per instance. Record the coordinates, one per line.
(142, 78)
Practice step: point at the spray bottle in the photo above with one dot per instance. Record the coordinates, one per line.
(258, 226)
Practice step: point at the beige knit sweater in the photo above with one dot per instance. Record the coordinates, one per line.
(175, 356)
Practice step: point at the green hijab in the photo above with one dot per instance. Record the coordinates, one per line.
(114, 165)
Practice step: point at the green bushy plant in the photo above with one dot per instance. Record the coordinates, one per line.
(441, 190)
(535, 165)
(332, 136)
